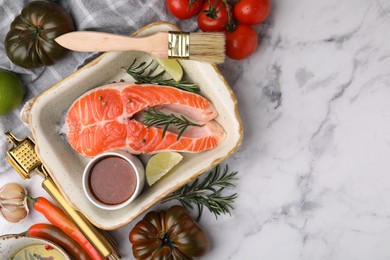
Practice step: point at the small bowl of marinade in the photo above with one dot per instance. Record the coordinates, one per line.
(112, 180)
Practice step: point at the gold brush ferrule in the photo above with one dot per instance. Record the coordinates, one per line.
(178, 45)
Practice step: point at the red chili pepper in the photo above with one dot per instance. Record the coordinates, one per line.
(59, 218)
(56, 235)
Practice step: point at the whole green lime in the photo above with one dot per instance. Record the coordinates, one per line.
(12, 91)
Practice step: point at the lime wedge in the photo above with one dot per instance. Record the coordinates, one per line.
(172, 67)
(159, 164)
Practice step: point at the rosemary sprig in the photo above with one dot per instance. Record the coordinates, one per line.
(145, 73)
(154, 117)
(208, 193)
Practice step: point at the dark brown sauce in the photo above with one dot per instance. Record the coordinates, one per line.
(112, 180)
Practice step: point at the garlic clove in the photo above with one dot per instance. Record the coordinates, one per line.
(12, 191)
(14, 216)
(13, 202)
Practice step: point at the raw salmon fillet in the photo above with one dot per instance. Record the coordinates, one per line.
(103, 119)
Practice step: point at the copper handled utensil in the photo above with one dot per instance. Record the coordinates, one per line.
(22, 156)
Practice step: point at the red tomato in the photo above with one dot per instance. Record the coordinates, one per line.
(242, 42)
(213, 17)
(252, 11)
(184, 9)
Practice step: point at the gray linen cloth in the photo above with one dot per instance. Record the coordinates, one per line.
(114, 16)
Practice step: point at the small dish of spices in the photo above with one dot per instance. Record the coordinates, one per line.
(113, 179)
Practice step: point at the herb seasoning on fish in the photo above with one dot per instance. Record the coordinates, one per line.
(112, 180)
(93, 128)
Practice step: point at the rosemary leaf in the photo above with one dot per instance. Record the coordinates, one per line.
(154, 117)
(145, 73)
(208, 193)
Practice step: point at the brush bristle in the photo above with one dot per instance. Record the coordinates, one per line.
(207, 47)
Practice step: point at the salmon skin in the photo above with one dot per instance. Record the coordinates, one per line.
(103, 119)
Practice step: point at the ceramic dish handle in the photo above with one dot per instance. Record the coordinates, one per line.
(101, 244)
(25, 112)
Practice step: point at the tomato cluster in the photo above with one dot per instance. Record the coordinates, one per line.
(234, 17)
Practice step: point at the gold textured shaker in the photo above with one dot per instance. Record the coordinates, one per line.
(22, 157)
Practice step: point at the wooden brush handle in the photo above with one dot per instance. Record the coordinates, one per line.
(156, 44)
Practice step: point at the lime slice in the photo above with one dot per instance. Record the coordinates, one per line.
(160, 164)
(172, 67)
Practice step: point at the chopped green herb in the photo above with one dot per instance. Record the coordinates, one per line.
(141, 74)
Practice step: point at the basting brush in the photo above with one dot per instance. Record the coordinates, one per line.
(205, 47)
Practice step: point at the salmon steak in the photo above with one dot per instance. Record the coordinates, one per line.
(105, 118)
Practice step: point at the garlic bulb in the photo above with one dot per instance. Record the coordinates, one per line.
(13, 202)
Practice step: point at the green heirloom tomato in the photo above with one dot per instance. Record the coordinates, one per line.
(171, 235)
(30, 41)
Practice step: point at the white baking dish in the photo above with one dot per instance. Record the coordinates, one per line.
(66, 166)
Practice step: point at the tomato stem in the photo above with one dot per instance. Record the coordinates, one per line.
(190, 2)
(36, 33)
(231, 26)
(212, 11)
(165, 240)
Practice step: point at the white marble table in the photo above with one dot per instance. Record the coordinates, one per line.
(314, 166)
